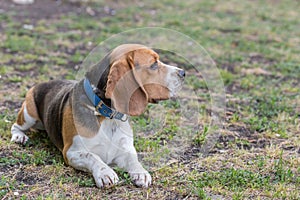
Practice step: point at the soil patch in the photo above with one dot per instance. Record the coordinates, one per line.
(41, 9)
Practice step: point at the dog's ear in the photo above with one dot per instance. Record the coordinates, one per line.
(124, 87)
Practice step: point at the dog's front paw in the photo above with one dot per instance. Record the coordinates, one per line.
(141, 179)
(19, 138)
(105, 177)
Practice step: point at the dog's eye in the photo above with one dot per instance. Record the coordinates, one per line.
(154, 66)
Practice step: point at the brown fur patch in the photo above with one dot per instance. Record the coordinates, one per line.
(30, 107)
(86, 131)
(100, 119)
(21, 118)
(30, 104)
(68, 130)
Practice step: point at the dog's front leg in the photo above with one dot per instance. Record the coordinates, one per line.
(86, 161)
(129, 162)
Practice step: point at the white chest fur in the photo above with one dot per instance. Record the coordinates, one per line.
(113, 144)
(113, 138)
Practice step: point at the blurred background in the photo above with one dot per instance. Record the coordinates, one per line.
(255, 45)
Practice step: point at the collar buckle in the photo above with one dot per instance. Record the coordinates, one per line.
(113, 114)
(124, 118)
(99, 106)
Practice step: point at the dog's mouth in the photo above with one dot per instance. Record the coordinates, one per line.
(154, 101)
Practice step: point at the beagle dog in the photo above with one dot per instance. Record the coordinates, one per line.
(88, 120)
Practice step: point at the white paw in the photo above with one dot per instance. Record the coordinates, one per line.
(141, 179)
(19, 138)
(105, 177)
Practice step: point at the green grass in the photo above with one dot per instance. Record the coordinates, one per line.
(233, 179)
(257, 155)
(19, 43)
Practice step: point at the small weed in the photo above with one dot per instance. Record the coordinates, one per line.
(242, 142)
(60, 61)
(227, 77)
(44, 69)
(23, 197)
(83, 180)
(173, 104)
(261, 162)
(82, 23)
(146, 145)
(22, 157)
(235, 118)
(40, 157)
(124, 176)
(19, 43)
(195, 82)
(259, 124)
(281, 174)
(30, 57)
(3, 70)
(86, 182)
(289, 68)
(77, 57)
(269, 106)
(251, 82)
(265, 110)
(6, 185)
(145, 124)
(233, 179)
(201, 194)
(24, 68)
(238, 196)
(15, 79)
(200, 137)
(70, 76)
(238, 179)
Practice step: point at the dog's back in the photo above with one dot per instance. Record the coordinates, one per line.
(50, 99)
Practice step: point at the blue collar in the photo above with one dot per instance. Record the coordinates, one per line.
(100, 106)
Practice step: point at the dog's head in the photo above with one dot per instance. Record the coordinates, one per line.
(137, 77)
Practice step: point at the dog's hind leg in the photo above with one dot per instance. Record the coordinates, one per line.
(27, 118)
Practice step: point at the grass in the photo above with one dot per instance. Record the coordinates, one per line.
(255, 45)
(19, 43)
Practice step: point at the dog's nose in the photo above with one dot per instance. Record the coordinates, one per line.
(181, 73)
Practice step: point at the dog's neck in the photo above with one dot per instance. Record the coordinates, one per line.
(101, 93)
(98, 76)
